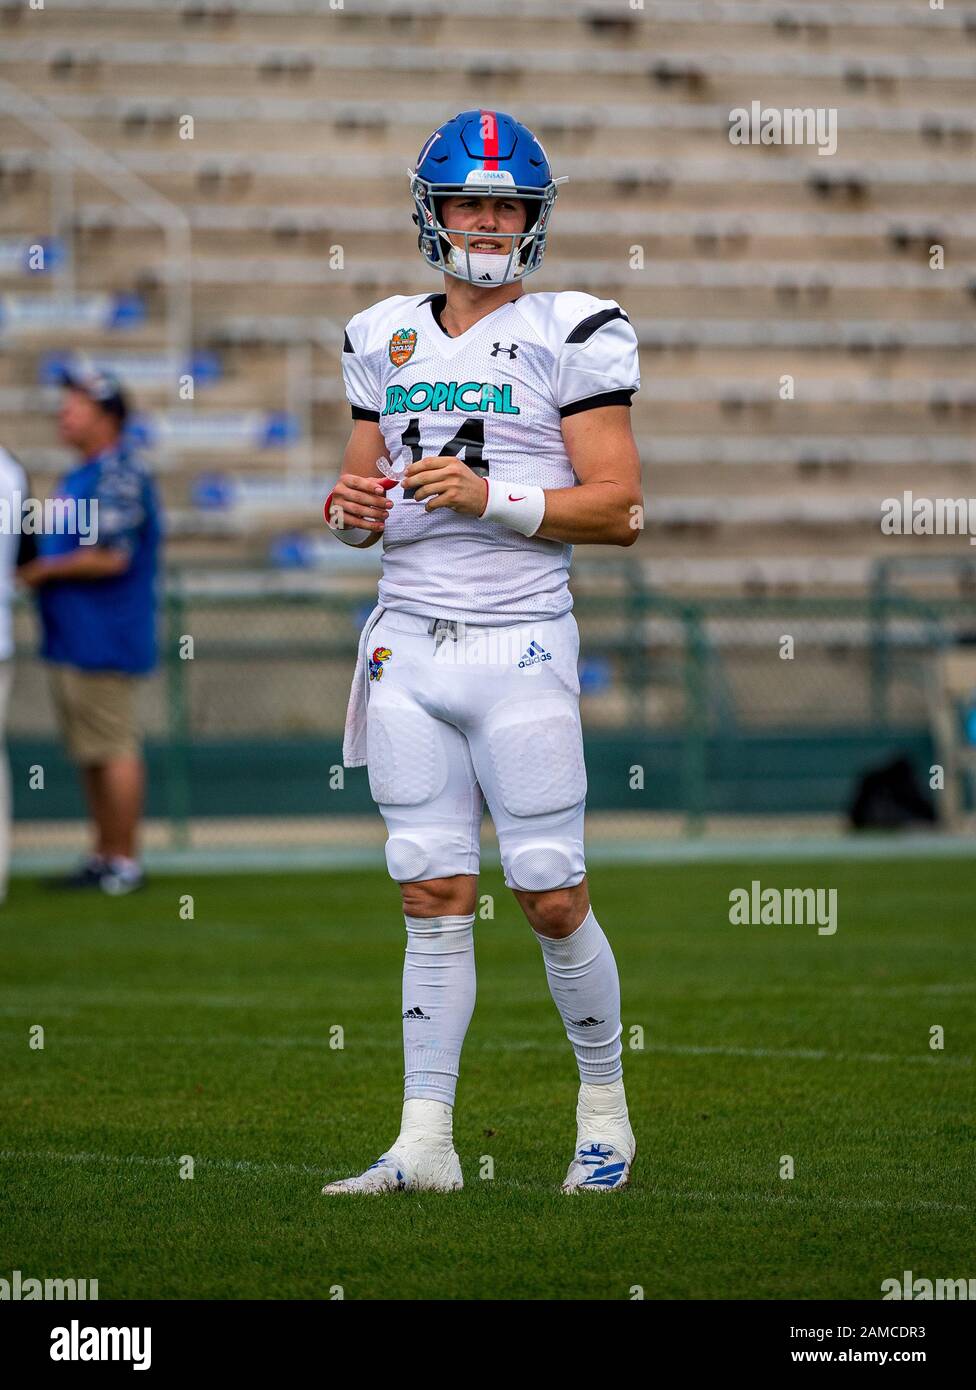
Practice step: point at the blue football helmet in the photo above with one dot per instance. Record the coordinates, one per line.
(485, 153)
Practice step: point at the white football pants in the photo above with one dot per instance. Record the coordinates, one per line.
(459, 715)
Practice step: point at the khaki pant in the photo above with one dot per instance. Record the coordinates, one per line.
(96, 712)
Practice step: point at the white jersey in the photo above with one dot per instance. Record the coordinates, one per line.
(493, 397)
(12, 487)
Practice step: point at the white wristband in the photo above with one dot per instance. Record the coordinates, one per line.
(517, 505)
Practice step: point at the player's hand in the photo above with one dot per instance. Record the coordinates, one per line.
(448, 483)
(359, 501)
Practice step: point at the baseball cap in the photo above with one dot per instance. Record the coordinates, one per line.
(102, 387)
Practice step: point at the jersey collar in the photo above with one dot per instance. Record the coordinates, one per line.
(441, 339)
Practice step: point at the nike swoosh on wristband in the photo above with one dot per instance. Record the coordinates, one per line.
(516, 499)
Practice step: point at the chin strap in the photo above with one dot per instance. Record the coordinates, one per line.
(484, 266)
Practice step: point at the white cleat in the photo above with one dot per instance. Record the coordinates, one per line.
(412, 1167)
(598, 1167)
(605, 1143)
(387, 1174)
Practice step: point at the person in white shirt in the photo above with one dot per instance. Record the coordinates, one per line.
(13, 486)
(491, 433)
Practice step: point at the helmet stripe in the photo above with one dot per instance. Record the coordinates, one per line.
(489, 125)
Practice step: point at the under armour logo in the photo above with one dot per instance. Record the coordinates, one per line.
(510, 350)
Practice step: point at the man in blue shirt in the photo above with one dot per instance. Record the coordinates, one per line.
(95, 576)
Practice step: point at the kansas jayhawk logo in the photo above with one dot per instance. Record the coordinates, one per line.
(380, 654)
(402, 346)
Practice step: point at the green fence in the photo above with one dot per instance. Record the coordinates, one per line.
(727, 706)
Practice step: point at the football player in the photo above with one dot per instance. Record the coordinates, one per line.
(491, 433)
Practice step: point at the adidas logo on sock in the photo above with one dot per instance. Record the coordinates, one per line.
(590, 1022)
(416, 1012)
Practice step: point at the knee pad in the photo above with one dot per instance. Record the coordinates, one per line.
(540, 865)
(406, 859)
(417, 853)
(404, 757)
(536, 750)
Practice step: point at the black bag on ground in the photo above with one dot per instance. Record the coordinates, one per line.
(889, 798)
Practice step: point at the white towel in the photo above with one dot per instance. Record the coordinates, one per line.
(354, 737)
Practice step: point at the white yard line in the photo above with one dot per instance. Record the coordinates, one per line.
(238, 1165)
(804, 1054)
(244, 1165)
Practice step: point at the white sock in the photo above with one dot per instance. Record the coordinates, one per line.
(123, 866)
(438, 1001)
(585, 987)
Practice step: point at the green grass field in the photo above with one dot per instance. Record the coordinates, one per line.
(210, 1038)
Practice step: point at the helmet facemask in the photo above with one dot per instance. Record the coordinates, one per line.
(479, 267)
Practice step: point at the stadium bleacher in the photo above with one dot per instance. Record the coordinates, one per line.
(739, 265)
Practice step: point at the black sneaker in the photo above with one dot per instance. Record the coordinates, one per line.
(87, 875)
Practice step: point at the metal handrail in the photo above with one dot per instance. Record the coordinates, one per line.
(75, 150)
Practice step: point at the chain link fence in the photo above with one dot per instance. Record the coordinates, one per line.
(730, 707)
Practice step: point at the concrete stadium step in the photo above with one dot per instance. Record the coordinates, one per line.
(762, 166)
(153, 129)
(792, 20)
(859, 28)
(140, 115)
